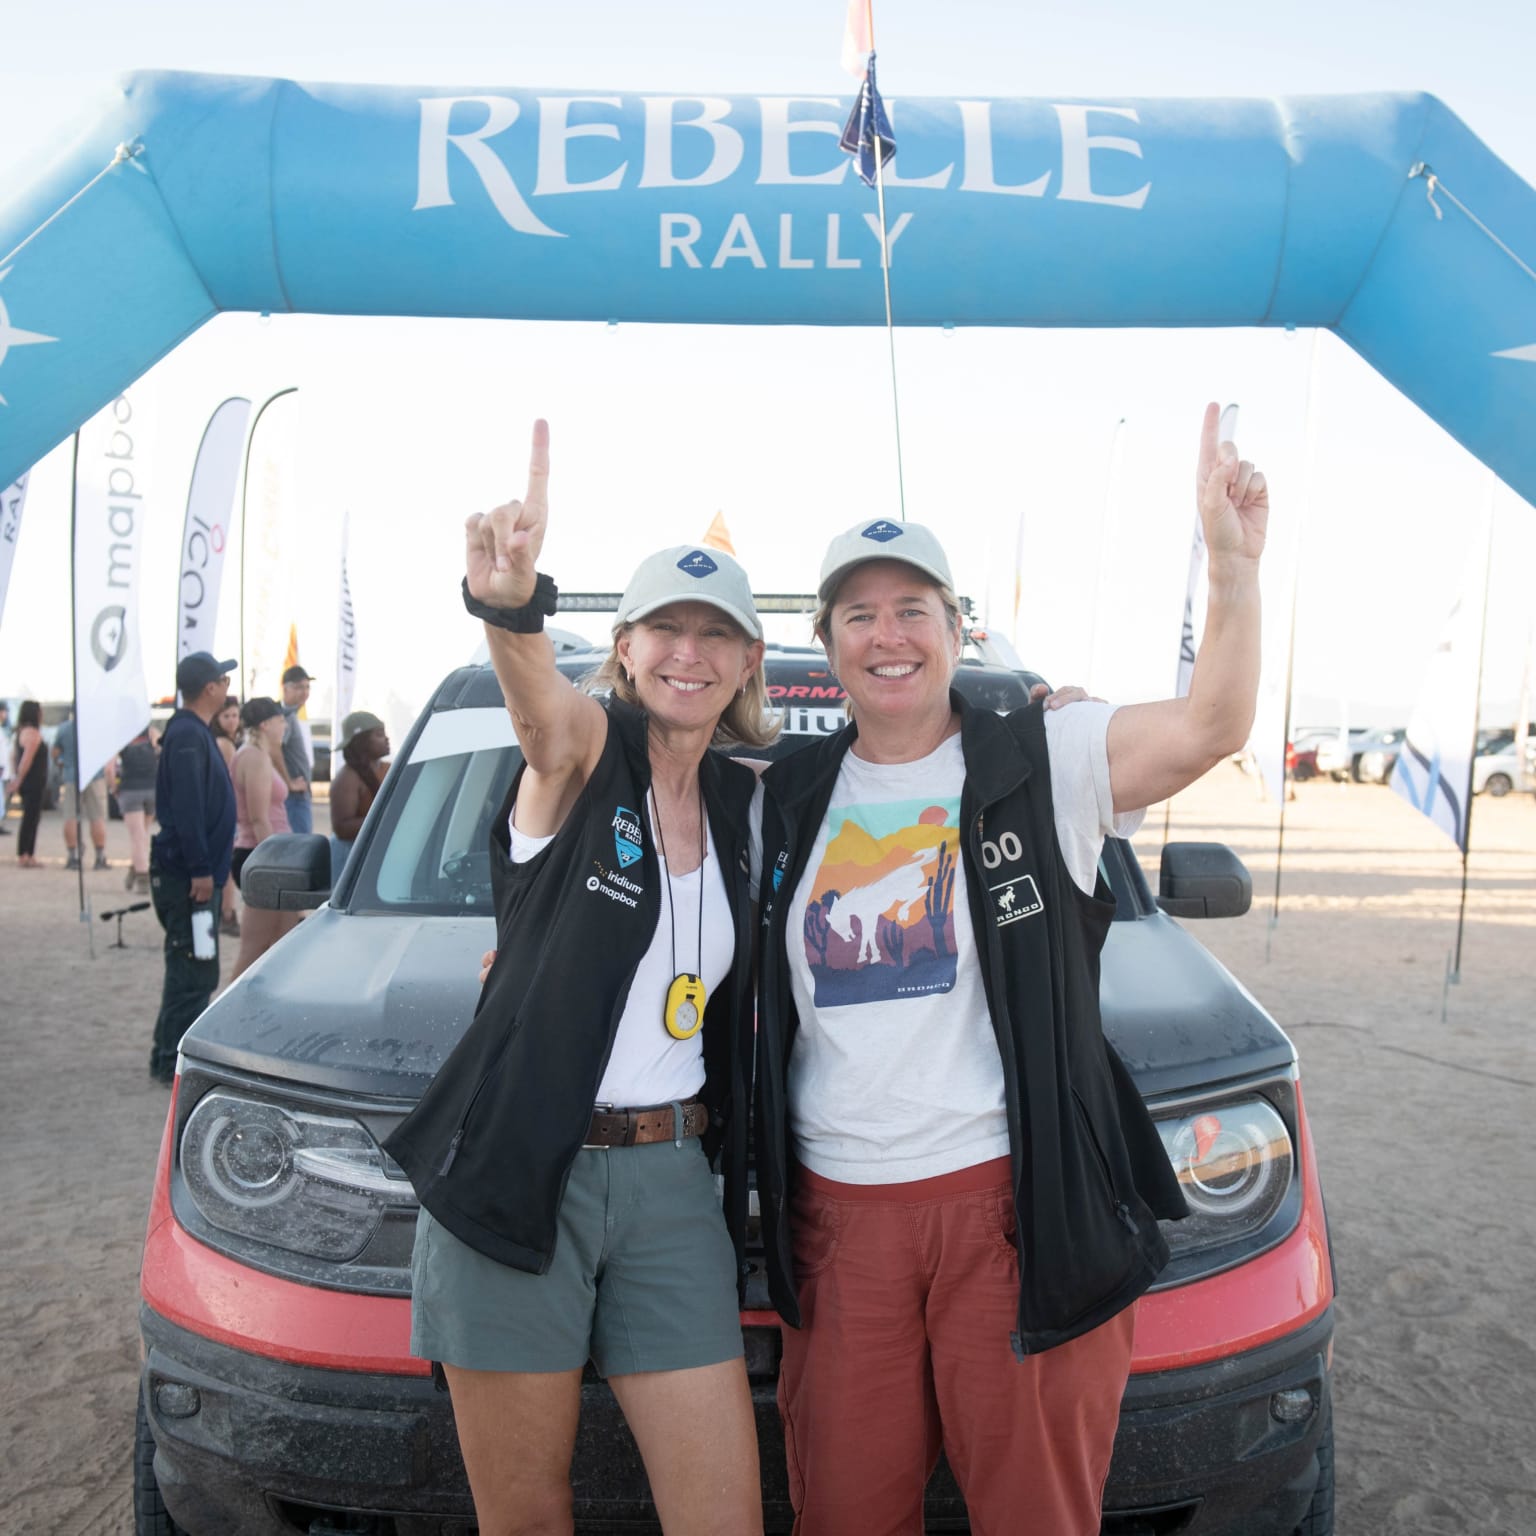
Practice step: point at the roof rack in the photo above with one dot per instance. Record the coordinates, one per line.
(987, 646)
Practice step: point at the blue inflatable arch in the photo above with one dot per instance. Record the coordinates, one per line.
(265, 195)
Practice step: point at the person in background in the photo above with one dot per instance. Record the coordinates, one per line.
(92, 803)
(5, 764)
(29, 778)
(364, 746)
(226, 737)
(298, 751)
(189, 855)
(261, 809)
(138, 764)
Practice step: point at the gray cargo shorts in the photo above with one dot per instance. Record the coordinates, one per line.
(643, 1276)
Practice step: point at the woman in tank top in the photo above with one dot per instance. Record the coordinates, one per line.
(261, 795)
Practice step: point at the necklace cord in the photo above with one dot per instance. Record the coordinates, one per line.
(661, 840)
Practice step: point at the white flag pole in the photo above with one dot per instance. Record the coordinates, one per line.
(248, 679)
(1453, 974)
(205, 530)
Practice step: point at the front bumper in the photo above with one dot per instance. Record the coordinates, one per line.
(271, 1447)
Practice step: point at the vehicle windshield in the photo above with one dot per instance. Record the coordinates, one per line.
(429, 852)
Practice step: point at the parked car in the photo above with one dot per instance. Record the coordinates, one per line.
(1378, 755)
(1304, 744)
(1339, 757)
(1497, 769)
(278, 1392)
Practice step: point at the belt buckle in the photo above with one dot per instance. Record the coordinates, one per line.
(598, 1146)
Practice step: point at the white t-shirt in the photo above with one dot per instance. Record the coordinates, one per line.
(646, 1065)
(894, 1074)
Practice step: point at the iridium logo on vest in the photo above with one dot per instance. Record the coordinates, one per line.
(881, 532)
(697, 563)
(626, 836)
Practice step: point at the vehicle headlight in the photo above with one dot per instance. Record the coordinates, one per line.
(1235, 1163)
(313, 1184)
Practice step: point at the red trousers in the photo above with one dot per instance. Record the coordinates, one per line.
(908, 1295)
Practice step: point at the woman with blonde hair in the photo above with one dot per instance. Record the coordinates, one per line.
(562, 1154)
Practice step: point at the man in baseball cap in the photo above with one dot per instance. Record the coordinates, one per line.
(189, 856)
(196, 670)
(298, 751)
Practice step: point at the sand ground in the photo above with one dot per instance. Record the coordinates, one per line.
(1422, 1124)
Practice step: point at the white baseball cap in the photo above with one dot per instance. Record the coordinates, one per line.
(882, 539)
(689, 573)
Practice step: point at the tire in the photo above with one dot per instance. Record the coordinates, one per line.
(150, 1517)
(1318, 1520)
(1499, 785)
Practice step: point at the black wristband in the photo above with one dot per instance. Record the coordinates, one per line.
(527, 620)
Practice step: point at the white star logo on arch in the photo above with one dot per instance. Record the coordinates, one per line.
(10, 336)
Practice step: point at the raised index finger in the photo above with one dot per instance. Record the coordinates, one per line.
(1209, 448)
(538, 467)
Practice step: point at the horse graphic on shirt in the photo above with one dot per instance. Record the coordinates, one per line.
(902, 888)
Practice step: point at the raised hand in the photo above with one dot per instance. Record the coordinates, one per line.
(1232, 495)
(501, 547)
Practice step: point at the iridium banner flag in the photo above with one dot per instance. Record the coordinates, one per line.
(111, 503)
(1194, 604)
(205, 533)
(1434, 768)
(346, 646)
(13, 500)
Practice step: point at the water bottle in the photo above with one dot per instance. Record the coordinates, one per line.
(204, 945)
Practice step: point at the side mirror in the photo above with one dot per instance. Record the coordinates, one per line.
(287, 872)
(1200, 880)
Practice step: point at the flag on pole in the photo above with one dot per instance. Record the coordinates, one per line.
(867, 134)
(205, 532)
(718, 536)
(291, 659)
(13, 499)
(858, 38)
(346, 645)
(111, 490)
(1194, 603)
(1434, 768)
(271, 536)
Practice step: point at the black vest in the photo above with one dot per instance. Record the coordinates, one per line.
(1090, 1176)
(491, 1143)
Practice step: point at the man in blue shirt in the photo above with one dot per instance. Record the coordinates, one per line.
(189, 857)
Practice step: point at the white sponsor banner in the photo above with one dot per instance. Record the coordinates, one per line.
(1277, 588)
(111, 503)
(1434, 768)
(12, 500)
(346, 646)
(205, 533)
(270, 542)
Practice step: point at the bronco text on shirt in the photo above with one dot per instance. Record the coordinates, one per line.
(894, 1074)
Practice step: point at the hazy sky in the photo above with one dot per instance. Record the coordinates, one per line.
(410, 424)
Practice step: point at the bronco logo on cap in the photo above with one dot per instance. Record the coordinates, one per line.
(697, 563)
(626, 836)
(882, 532)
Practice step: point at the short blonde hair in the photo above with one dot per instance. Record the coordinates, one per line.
(821, 619)
(746, 722)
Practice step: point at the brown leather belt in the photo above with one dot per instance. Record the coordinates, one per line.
(637, 1127)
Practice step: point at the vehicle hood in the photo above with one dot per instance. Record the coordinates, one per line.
(1179, 1019)
(360, 1003)
(371, 1004)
